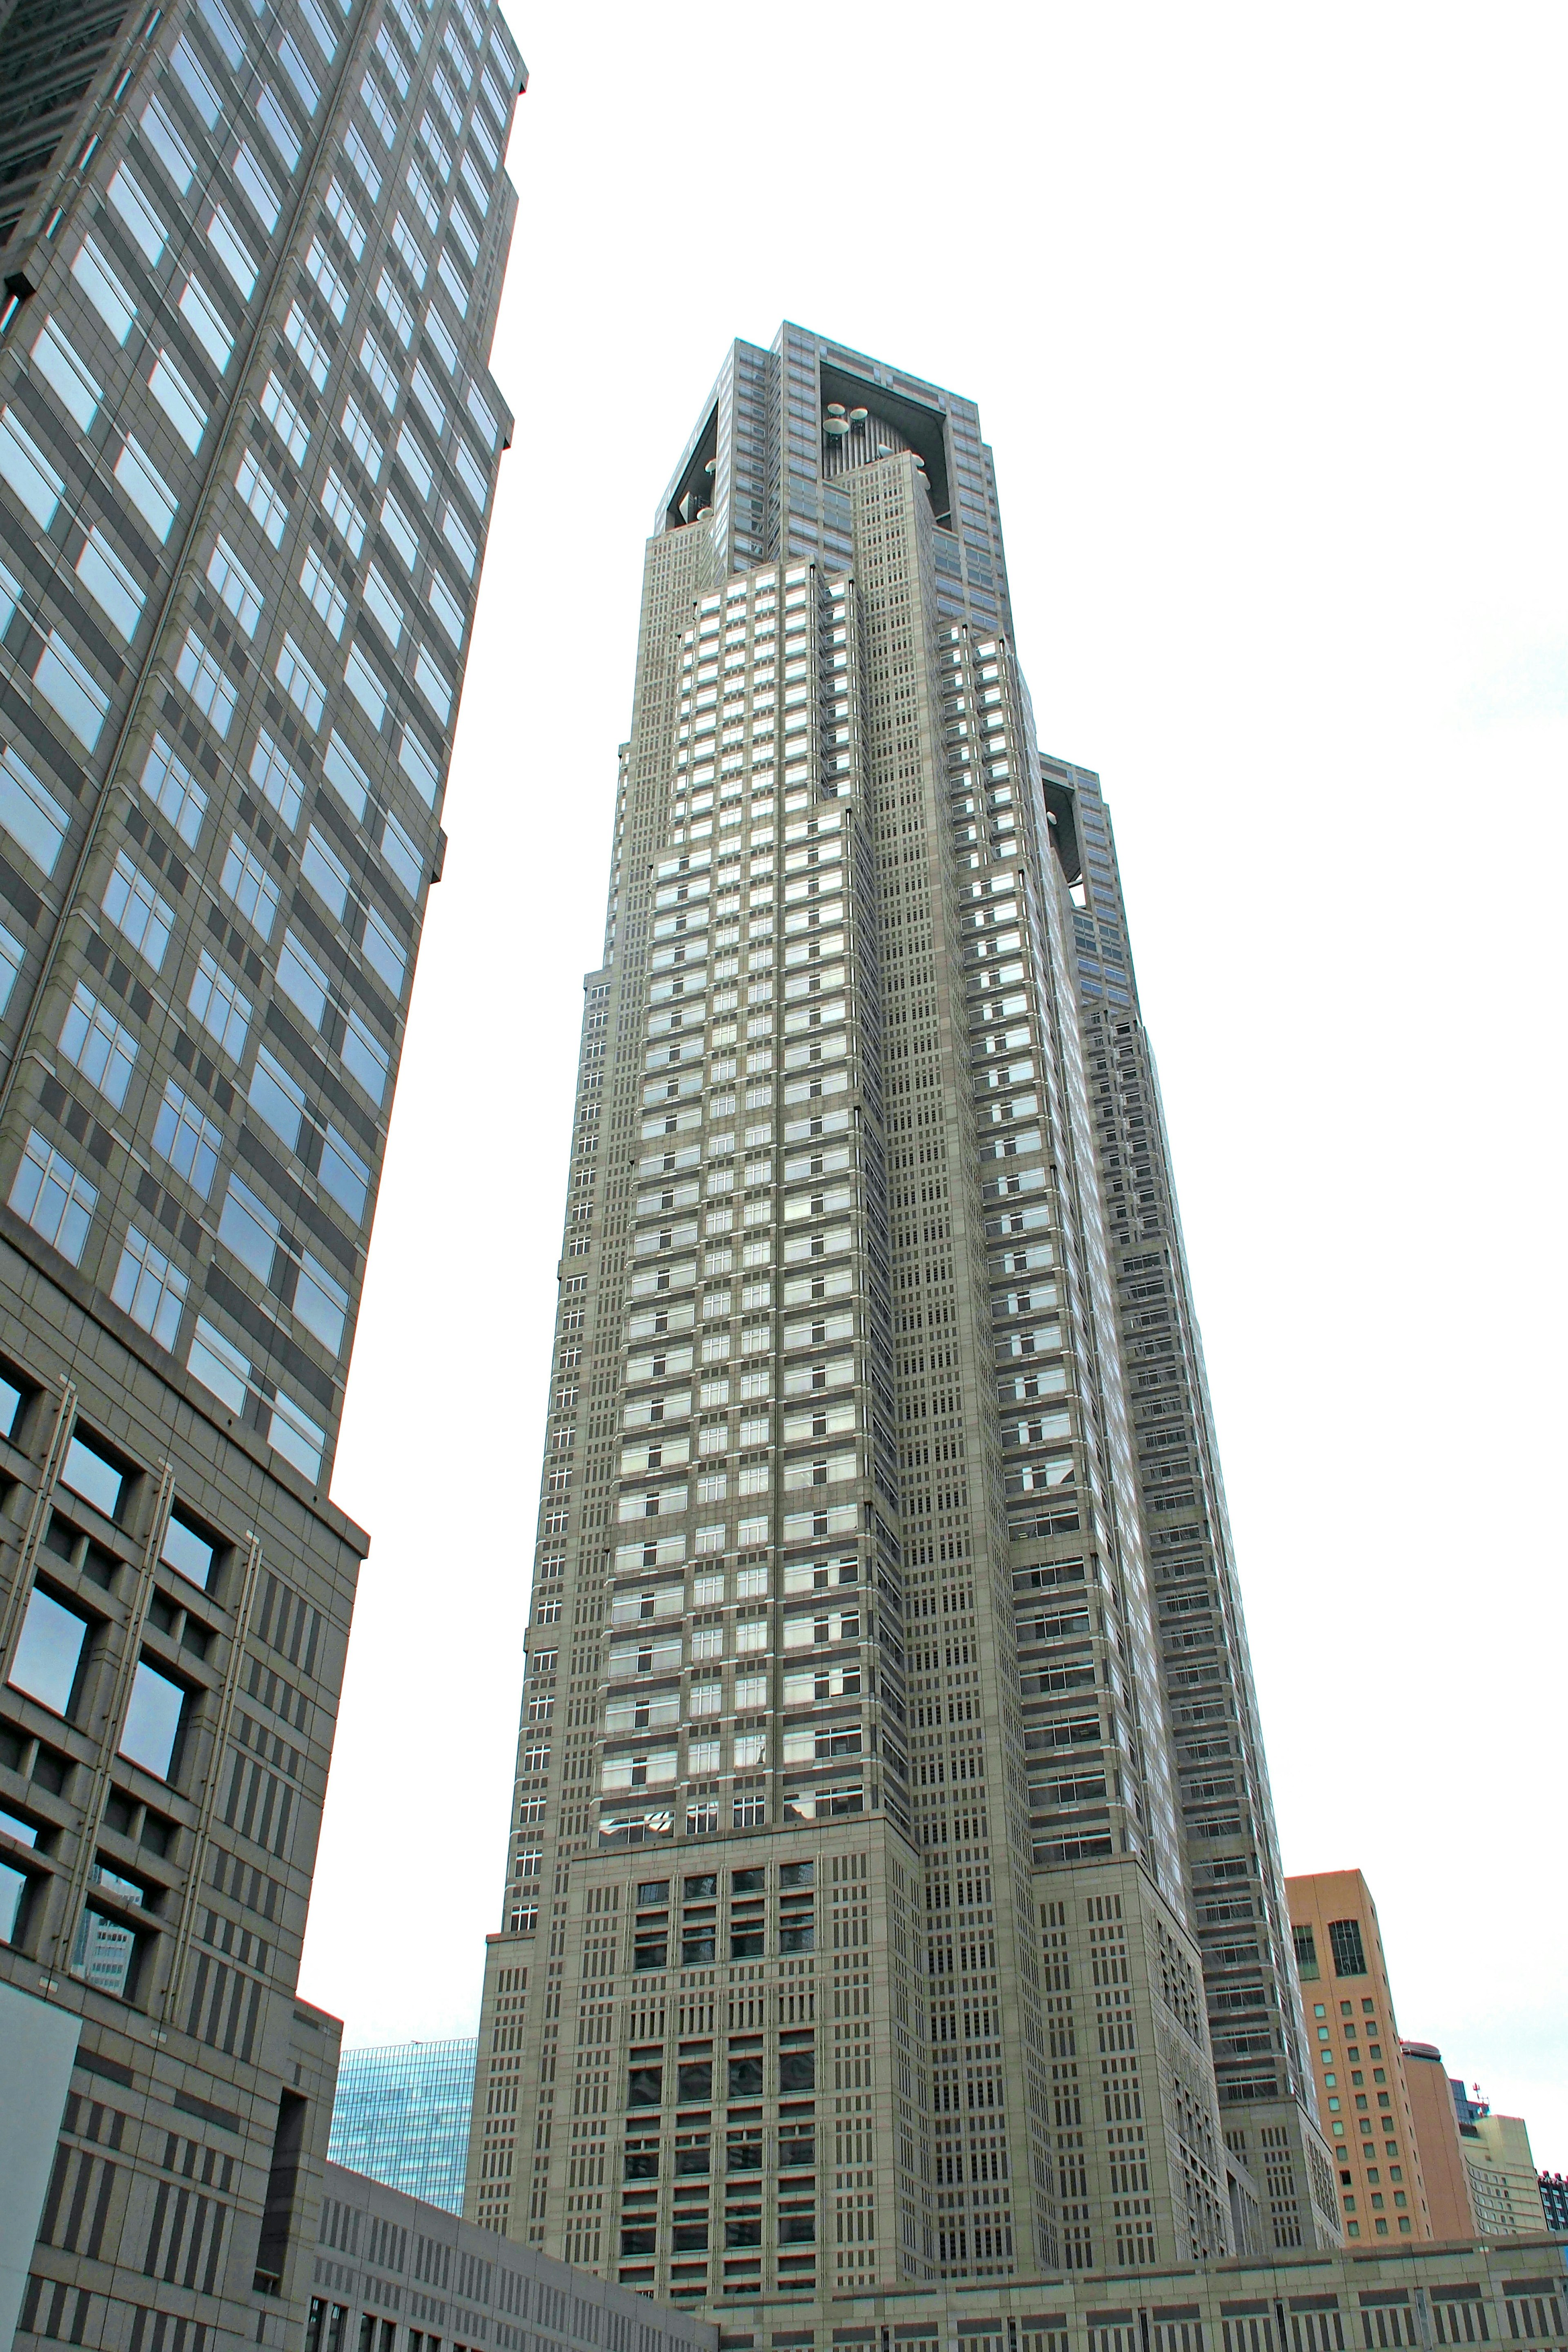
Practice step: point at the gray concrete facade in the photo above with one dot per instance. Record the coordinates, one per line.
(848, 1940)
(248, 441)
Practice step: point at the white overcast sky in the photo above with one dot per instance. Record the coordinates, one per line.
(1263, 310)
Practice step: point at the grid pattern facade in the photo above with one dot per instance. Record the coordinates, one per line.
(251, 257)
(1230, 1848)
(401, 2116)
(846, 1936)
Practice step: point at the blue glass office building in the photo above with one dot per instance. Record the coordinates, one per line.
(402, 2117)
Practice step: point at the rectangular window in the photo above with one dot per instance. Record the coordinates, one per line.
(320, 586)
(440, 335)
(1306, 1953)
(262, 497)
(103, 289)
(474, 478)
(236, 588)
(249, 1229)
(459, 539)
(167, 781)
(321, 1304)
(419, 188)
(346, 777)
(284, 417)
(254, 181)
(435, 147)
(1345, 1944)
(429, 399)
(158, 129)
(102, 1048)
(187, 1551)
(349, 225)
(365, 1059)
(431, 681)
(343, 514)
(301, 683)
(402, 856)
(451, 277)
(187, 1139)
(308, 343)
(200, 314)
(320, 30)
(145, 487)
(53, 1198)
(75, 387)
(333, 289)
(147, 230)
(366, 687)
(30, 815)
(217, 1004)
(399, 315)
(447, 609)
(475, 187)
(383, 952)
(109, 584)
(380, 370)
(177, 401)
(326, 874)
(400, 531)
(415, 464)
(246, 881)
(362, 162)
(23, 465)
(13, 955)
(198, 83)
(152, 1732)
(64, 682)
(225, 32)
(467, 235)
(361, 439)
(275, 121)
(379, 111)
(149, 1290)
(135, 909)
(403, 237)
(379, 600)
(276, 779)
(302, 981)
(231, 250)
(299, 72)
(277, 1099)
(207, 682)
(217, 1363)
(392, 58)
(418, 766)
(343, 1174)
(49, 1651)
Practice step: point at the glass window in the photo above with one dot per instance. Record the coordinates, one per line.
(30, 815)
(166, 780)
(326, 874)
(279, 1101)
(13, 1897)
(249, 1229)
(189, 1553)
(186, 1139)
(217, 1363)
(246, 881)
(150, 1289)
(49, 1651)
(321, 1304)
(104, 1954)
(365, 1059)
(343, 1174)
(152, 1721)
(103, 1050)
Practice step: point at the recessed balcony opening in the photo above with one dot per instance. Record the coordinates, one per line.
(694, 491)
(862, 422)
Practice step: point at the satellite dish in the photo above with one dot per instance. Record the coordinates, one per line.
(859, 416)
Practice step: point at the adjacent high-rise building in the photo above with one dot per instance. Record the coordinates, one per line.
(892, 1893)
(401, 2116)
(251, 258)
(1504, 2184)
(1363, 2098)
(1445, 2181)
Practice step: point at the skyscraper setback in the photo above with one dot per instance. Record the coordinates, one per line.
(893, 1893)
(248, 438)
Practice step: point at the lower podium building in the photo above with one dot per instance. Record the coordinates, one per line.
(394, 2273)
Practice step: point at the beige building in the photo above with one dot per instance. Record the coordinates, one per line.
(1444, 2175)
(1505, 2188)
(1364, 2099)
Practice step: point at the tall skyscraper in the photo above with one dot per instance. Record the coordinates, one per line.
(251, 258)
(869, 1874)
(401, 2116)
